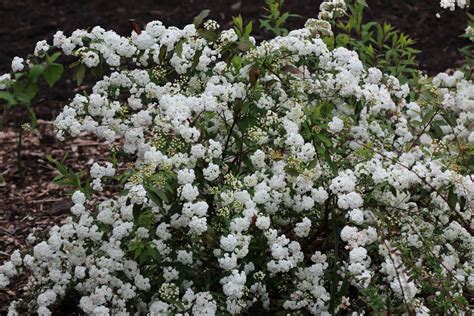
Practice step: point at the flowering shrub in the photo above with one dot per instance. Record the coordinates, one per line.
(280, 177)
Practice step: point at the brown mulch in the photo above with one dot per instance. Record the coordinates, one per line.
(29, 200)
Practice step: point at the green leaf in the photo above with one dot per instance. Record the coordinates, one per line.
(179, 48)
(25, 91)
(97, 71)
(324, 139)
(450, 118)
(157, 195)
(8, 97)
(438, 132)
(200, 17)
(79, 74)
(180, 305)
(145, 219)
(209, 36)
(196, 57)
(246, 122)
(67, 176)
(244, 45)
(170, 188)
(142, 256)
(75, 64)
(238, 23)
(53, 57)
(53, 73)
(155, 254)
(236, 62)
(429, 115)
(162, 196)
(292, 171)
(35, 72)
(162, 55)
(342, 40)
(87, 189)
(452, 198)
(248, 30)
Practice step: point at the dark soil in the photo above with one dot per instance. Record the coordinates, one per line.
(29, 200)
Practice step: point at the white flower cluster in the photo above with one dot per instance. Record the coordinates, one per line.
(331, 9)
(98, 172)
(258, 189)
(451, 4)
(17, 64)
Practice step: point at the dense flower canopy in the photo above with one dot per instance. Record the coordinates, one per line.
(281, 176)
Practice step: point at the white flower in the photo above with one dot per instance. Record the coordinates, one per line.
(258, 159)
(356, 216)
(78, 197)
(229, 242)
(159, 308)
(189, 192)
(358, 254)
(262, 222)
(348, 232)
(186, 176)
(3, 80)
(344, 182)
(350, 200)
(142, 283)
(336, 125)
(143, 40)
(185, 257)
(211, 172)
(80, 272)
(303, 228)
(233, 285)
(90, 59)
(47, 298)
(198, 225)
(319, 195)
(17, 64)
(41, 48)
(451, 4)
(137, 194)
(228, 262)
(142, 233)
